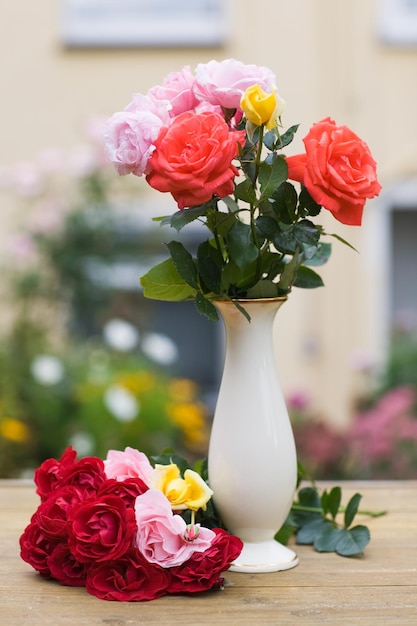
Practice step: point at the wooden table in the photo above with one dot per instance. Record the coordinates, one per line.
(377, 588)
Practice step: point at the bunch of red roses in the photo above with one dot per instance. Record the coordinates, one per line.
(115, 527)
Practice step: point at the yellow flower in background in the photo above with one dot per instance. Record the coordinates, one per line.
(190, 492)
(14, 430)
(260, 107)
(137, 382)
(190, 418)
(183, 389)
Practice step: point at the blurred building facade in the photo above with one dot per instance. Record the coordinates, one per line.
(353, 61)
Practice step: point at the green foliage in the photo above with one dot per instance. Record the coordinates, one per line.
(313, 519)
(261, 239)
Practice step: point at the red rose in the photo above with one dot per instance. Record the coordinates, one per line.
(50, 472)
(193, 157)
(100, 529)
(130, 578)
(35, 547)
(52, 513)
(202, 571)
(128, 490)
(338, 170)
(87, 474)
(65, 568)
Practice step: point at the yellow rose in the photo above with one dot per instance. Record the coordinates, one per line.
(260, 107)
(190, 492)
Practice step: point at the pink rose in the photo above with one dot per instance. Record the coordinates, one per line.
(162, 535)
(129, 135)
(193, 159)
(337, 169)
(129, 463)
(177, 88)
(224, 82)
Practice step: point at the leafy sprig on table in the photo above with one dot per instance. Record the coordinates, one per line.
(313, 517)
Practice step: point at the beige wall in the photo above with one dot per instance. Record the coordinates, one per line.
(328, 61)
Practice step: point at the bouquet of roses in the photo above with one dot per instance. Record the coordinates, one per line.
(125, 529)
(213, 140)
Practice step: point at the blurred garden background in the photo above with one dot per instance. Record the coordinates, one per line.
(85, 360)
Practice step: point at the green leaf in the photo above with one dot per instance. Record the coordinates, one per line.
(308, 533)
(209, 263)
(263, 289)
(321, 256)
(245, 191)
(184, 263)
(231, 204)
(305, 232)
(353, 541)
(339, 238)
(271, 177)
(285, 533)
(307, 204)
(352, 509)
(163, 282)
(267, 226)
(287, 137)
(307, 279)
(285, 203)
(181, 218)
(242, 249)
(330, 501)
(328, 538)
(166, 458)
(206, 307)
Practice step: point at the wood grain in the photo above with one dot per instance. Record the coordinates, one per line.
(379, 587)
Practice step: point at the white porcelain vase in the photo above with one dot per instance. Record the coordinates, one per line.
(252, 463)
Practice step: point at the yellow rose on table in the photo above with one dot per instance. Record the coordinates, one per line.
(260, 107)
(189, 492)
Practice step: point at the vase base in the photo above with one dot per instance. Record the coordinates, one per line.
(265, 556)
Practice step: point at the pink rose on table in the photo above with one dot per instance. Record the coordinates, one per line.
(177, 88)
(193, 159)
(130, 134)
(130, 578)
(101, 529)
(337, 169)
(128, 463)
(223, 83)
(162, 535)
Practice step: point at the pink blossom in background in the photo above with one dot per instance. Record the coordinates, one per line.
(130, 134)
(48, 217)
(162, 535)
(129, 463)
(298, 400)
(27, 179)
(51, 160)
(21, 248)
(223, 83)
(386, 435)
(177, 88)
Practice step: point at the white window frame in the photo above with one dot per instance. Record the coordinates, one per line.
(143, 23)
(397, 22)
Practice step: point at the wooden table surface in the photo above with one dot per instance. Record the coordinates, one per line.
(379, 587)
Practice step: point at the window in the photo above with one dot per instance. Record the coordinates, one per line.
(123, 23)
(397, 21)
